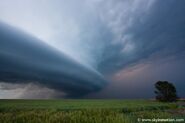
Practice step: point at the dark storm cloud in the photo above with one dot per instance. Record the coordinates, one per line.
(150, 48)
(159, 29)
(25, 59)
(108, 36)
(138, 81)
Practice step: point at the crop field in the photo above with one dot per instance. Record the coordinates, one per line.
(89, 111)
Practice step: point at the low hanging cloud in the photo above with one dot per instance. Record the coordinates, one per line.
(25, 59)
(28, 91)
(103, 39)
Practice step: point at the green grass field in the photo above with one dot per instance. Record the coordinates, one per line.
(87, 111)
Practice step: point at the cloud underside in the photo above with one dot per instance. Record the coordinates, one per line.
(25, 59)
(104, 39)
(28, 91)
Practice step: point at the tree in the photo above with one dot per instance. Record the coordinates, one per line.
(165, 91)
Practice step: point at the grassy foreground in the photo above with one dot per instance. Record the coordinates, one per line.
(87, 111)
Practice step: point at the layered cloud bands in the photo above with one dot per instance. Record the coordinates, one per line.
(25, 59)
(131, 43)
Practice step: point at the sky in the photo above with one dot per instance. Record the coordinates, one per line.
(90, 48)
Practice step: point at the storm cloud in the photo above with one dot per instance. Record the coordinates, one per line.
(71, 46)
(25, 59)
(143, 29)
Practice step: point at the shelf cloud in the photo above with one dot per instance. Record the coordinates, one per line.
(25, 59)
(92, 48)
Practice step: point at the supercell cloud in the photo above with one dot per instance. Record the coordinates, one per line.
(72, 47)
(25, 59)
